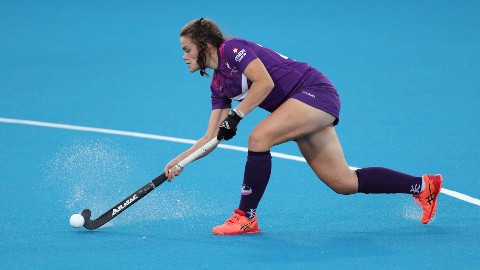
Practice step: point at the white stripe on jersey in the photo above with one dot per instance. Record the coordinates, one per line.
(244, 89)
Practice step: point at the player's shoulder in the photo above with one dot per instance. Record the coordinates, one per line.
(233, 44)
(235, 41)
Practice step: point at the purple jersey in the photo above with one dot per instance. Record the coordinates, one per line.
(290, 77)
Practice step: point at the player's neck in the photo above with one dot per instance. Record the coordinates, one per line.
(212, 58)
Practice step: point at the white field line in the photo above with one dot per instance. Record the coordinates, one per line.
(448, 192)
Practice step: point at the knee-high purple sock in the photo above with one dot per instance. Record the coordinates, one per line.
(383, 180)
(255, 180)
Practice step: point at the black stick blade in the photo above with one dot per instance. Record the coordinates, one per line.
(88, 222)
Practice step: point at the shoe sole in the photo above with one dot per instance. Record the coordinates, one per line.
(249, 232)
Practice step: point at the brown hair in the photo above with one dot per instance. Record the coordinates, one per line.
(201, 32)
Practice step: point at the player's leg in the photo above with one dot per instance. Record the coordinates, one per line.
(324, 154)
(291, 120)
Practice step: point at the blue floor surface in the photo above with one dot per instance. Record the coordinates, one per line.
(408, 76)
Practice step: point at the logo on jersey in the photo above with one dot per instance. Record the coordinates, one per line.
(235, 50)
(232, 70)
(240, 55)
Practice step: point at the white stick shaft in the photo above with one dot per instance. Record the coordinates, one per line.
(193, 156)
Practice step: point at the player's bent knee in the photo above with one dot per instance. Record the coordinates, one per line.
(345, 185)
(344, 188)
(258, 143)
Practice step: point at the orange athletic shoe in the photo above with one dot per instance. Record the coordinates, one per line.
(238, 224)
(427, 199)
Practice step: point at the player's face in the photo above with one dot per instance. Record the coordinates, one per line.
(190, 53)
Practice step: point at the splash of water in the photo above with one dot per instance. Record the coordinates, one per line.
(97, 174)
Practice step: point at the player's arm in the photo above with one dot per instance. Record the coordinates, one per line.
(262, 85)
(216, 118)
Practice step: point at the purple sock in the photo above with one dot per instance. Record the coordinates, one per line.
(383, 180)
(255, 180)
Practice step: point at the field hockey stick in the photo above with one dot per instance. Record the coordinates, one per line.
(140, 193)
